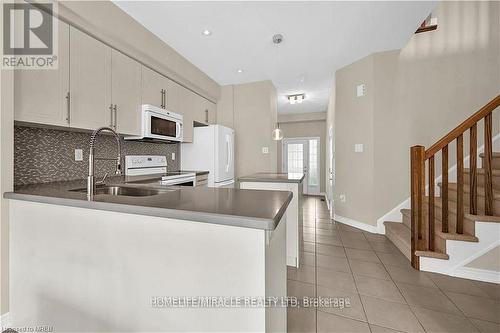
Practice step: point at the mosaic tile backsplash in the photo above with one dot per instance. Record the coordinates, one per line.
(44, 155)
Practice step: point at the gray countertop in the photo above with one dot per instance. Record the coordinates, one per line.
(198, 173)
(270, 177)
(241, 208)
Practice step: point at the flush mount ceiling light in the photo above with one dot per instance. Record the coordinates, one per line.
(206, 32)
(299, 98)
(240, 71)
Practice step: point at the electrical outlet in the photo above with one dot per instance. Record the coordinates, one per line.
(360, 90)
(265, 150)
(78, 155)
(173, 156)
(358, 148)
(342, 198)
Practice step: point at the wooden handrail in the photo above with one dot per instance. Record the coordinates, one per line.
(422, 234)
(460, 129)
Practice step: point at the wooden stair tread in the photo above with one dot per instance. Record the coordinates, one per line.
(452, 208)
(480, 190)
(493, 155)
(432, 254)
(480, 171)
(444, 235)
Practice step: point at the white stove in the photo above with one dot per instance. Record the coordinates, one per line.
(141, 165)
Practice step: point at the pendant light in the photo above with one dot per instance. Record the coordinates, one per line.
(277, 133)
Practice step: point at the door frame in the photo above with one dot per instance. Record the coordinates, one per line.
(318, 162)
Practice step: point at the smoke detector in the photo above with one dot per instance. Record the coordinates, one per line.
(277, 39)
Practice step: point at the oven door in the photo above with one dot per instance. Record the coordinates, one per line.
(163, 127)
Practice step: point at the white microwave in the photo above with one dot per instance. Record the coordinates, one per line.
(159, 125)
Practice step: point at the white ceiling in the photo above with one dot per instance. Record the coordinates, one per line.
(319, 38)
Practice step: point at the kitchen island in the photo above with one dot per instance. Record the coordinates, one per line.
(131, 263)
(283, 182)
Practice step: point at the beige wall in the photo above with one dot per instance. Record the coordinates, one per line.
(414, 96)
(488, 261)
(304, 129)
(6, 174)
(293, 117)
(330, 160)
(251, 110)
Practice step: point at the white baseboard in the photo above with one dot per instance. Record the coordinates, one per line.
(5, 321)
(356, 224)
(477, 274)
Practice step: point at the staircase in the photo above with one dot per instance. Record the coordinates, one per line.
(450, 211)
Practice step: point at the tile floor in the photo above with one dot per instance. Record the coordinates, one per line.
(386, 294)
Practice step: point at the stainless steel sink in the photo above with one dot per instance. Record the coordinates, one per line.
(121, 190)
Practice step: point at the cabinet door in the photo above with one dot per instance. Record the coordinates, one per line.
(90, 81)
(186, 105)
(40, 95)
(126, 93)
(172, 96)
(212, 113)
(152, 86)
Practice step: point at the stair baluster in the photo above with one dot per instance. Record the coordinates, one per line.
(488, 152)
(431, 205)
(473, 170)
(444, 189)
(460, 184)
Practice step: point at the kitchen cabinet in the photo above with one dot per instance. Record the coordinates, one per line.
(40, 95)
(204, 110)
(90, 81)
(186, 108)
(159, 91)
(125, 113)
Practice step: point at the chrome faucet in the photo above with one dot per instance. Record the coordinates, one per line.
(91, 183)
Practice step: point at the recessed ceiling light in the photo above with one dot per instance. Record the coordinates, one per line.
(206, 32)
(240, 71)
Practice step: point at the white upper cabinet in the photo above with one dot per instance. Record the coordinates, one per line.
(125, 94)
(172, 96)
(90, 82)
(40, 95)
(186, 108)
(154, 86)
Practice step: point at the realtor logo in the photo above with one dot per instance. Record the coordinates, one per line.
(29, 36)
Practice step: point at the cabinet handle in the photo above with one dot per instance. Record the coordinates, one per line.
(116, 116)
(163, 99)
(68, 109)
(111, 112)
(206, 116)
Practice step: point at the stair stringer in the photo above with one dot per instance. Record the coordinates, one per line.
(461, 253)
(394, 214)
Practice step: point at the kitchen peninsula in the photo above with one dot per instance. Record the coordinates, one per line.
(283, 182)
(103, 263)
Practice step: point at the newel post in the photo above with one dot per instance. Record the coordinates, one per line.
(417, 178)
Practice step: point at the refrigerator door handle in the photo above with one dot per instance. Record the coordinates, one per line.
(228, 155)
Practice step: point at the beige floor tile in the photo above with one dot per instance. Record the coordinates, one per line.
(363, 255)
(328, 240)
(345, 227)
(331, 250)
(325, 232)
(380, 329)
(301, 320)
(348, 234)
(352, 243)
(335, 280)
(394, 259)
(410, 275)
(375, 238)
(477, 307)
(430, 298)
(309, 230)
(334, 263)
(303, 274)
(485, 326)
(324, 224)
(369, 269)
(331, 323)
(348, 305)
(440, 322)
(307, 258)
(457, 285)
(384, 289)
(390, 314)
(384, 247)
(309, 247)
(300, 289)
(491, 289)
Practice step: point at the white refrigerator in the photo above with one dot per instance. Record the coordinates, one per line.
(212, 150)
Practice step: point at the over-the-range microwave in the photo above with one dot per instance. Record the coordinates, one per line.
(159, 125)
